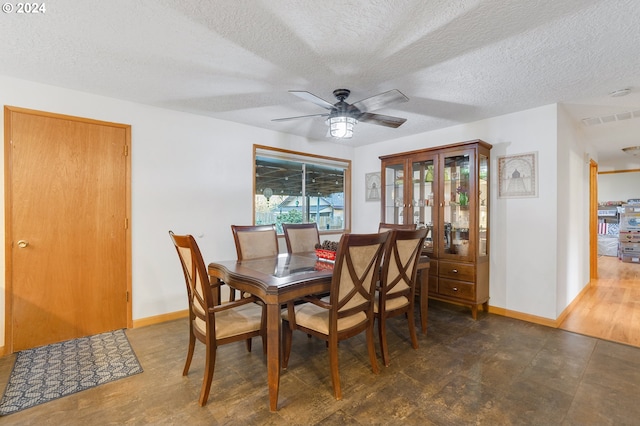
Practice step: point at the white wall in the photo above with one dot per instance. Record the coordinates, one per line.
(618, 186)
(572, 213)
(191, 174)
(524, 272)
(182, 161)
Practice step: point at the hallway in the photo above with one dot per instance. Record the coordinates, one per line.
(610, 309)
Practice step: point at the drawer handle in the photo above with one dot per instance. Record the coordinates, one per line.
(455, 271)
(455, 289)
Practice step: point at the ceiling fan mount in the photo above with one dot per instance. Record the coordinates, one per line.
(349, 114)
(341, 94)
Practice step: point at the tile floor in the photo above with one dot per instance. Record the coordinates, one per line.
(493, 371)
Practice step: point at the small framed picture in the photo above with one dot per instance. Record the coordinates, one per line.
(372, 186)
(518, 175)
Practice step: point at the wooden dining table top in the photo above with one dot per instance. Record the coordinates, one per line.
(275, 275)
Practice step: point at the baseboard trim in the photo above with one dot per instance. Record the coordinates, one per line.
(157, 319)
(573, 304)
(542, 320)
(524, 317)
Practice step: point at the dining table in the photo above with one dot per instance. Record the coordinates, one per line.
(279, 279)
(275, 280)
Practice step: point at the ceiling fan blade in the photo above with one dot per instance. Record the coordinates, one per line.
(300, 116)
(382, 120)
(380, 101)
(312, 98)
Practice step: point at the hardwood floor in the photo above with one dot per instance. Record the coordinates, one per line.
(610, 309)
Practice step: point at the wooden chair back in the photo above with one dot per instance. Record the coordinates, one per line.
(254, 241)
(386, 227)
(301, 237)
(199, 290)
(354, 278)
(400, 266)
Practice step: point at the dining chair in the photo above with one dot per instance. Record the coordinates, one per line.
(396, 293)
(210, 323)
(254, 241)
(301, 237)
(385, 227)
(348, 310)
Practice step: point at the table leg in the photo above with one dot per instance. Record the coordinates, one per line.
(273, 353)
(424, 299)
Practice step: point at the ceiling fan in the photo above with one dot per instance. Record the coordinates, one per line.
(343, 116)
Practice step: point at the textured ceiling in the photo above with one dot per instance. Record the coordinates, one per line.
(457, 61)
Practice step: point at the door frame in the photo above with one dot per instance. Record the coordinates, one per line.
(593, 220)
(7, 348)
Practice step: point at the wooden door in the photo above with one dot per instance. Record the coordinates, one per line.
(68, 243)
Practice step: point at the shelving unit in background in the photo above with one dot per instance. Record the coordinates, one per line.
(608, 228)
(630, 232)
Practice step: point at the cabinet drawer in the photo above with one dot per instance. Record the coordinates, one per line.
(456, 289)
(457, 271)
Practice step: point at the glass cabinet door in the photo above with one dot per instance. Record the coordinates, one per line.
(483, 188)
(422, 193)
(456, 205)
(394, 202)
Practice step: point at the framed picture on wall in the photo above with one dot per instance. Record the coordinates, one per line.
(372, 186)
(518, 175)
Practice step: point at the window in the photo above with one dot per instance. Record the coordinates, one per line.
(293, 187)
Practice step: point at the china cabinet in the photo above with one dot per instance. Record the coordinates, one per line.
(446, 190)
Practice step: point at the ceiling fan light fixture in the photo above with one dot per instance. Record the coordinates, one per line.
(632, 150)
(341, 127)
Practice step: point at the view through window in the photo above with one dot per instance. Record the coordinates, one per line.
(293, 187)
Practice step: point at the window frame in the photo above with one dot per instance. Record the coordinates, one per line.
(306, 158)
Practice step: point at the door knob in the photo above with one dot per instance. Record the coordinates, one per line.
(23, 243)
